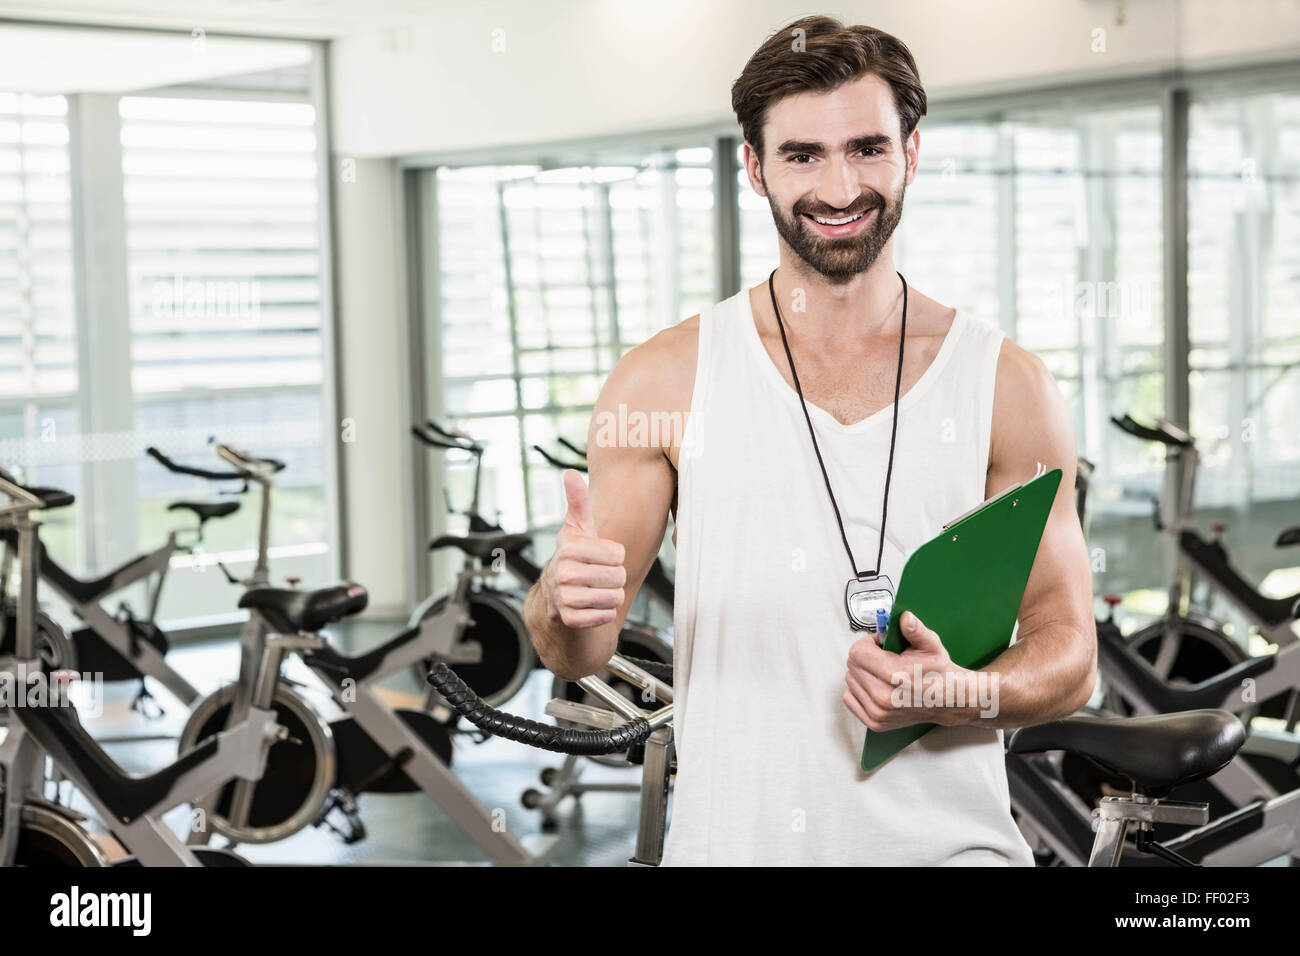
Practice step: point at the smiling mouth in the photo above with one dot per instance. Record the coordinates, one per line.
(842, 221)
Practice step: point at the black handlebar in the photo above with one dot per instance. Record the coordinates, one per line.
(1160, 434)
(580, 466)
(445, 439)
(580, 452)
(428, 439)
(582, 743)
(171, 466)
(252, 461)
(450, 434)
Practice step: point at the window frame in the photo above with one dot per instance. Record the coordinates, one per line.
(318, 97)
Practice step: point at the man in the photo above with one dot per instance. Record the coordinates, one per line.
(778, 489)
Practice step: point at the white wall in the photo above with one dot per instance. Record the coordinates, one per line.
(575, 68)
(371, 358)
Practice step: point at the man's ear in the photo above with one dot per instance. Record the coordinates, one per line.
(913, 153)
(754, 170)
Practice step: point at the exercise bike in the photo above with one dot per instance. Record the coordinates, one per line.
(1268, 763)
(1187, 644)
(1158, 756)
(38, 831)
(369, 747)
(121, 646)
(496, 615)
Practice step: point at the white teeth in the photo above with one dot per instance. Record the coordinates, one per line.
(838, 222)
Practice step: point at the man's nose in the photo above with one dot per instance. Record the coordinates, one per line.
(839, 187)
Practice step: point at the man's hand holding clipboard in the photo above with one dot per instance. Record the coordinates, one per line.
(955, 612)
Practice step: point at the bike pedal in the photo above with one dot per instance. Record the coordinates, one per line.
(140, 705)
(342, 801)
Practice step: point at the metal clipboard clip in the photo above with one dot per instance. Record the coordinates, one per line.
(1038, 473)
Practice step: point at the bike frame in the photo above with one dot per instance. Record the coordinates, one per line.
(261, 654)
(142, 654)
(652, 814)
(1046, 809)
(1185, 569)
(240, 751)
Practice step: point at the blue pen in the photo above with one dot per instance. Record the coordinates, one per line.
(882, 624)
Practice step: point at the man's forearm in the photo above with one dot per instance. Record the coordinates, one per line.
(1045, 675)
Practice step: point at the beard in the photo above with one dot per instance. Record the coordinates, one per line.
(839, 259)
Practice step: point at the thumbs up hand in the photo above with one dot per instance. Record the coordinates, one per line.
(584, 580)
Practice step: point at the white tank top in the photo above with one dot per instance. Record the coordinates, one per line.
(768, 755)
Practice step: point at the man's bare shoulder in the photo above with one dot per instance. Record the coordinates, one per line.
(658, 374)
(1031, 420)
(1023, 378)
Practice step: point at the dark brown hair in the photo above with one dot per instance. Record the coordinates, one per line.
(824, 56)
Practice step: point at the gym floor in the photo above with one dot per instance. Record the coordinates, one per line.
(405, 828)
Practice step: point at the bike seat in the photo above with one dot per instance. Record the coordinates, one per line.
(1288, 537)
(1158, 752)
(1116, 655)
(289, 611)
(61, 735)
(482, 544)
(50, 497)
(204, 510)
(53, 497)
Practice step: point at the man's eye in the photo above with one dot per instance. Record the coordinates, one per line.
(795, 159)
(870, 151)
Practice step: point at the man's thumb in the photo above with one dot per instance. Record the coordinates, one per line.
(575, 489)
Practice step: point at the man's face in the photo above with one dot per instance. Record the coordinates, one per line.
(835, 156)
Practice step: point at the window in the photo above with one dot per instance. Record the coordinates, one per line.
(224, 264)
(161, 282)
(38, 343)
(548, 276)
(1244, 298)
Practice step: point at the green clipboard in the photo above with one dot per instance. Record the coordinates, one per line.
(966, 584)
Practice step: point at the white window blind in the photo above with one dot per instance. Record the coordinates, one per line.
(547, 277)
(1244, 286)
(224, 271)
(38, 354)
(223, 243)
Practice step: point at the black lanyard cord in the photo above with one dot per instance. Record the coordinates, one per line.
(893, 432)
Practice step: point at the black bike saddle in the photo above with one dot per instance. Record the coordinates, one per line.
(289, 611)
(1157, 752)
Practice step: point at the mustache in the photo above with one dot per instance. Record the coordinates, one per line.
(875, 203)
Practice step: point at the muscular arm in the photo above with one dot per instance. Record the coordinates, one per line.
(1050, 671)
(631, 483)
